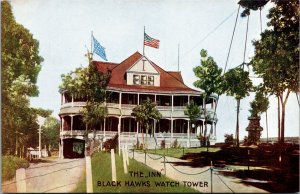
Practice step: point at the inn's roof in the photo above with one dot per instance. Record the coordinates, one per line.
(170, 81)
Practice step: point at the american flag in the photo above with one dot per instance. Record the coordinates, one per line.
(148, 41)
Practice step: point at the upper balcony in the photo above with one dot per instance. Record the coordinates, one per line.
(123, 103)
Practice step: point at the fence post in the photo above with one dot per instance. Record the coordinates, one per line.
(113, 165)
(127, 155)
(165, 165)
(124, 160)
(21, 182)
(133, 153)
(211, 179)
(145, 156)
(89, 179)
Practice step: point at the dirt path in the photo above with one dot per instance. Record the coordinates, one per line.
(180, 173)
(60, 175)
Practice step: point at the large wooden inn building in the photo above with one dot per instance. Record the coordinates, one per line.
(132, 81)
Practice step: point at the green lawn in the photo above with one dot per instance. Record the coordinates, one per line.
(101, 168)
(179, 152)
(10, 164)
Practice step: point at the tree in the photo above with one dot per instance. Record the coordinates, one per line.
(20, 65)
(50, 132)
(88, 84)
(144, 114)
(237, 84)
(93, 115)
(259, 105)
(210, 79)
(193, 111)
(277, 56)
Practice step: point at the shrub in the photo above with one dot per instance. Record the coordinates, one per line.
(111, 143)
(10, 164)
(229, 140)
(163, 144)
(175, 144)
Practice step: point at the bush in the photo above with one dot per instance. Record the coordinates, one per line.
(10, 164)
(163, 144)
(175, 144)
(111, 143)
(229, 140)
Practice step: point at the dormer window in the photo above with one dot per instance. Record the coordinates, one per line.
(144, 80)
(136, 79)
(150, 80)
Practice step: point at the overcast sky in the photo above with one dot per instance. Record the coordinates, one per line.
(63, 29)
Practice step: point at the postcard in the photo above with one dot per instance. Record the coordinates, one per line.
(150, 96)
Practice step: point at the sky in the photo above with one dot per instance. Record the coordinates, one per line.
(63, 29)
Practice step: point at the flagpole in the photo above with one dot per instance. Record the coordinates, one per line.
(144, 42)
(91, 46)
(144, 50)
(178, 56)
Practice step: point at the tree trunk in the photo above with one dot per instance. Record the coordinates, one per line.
(278, 104)
(237, 123)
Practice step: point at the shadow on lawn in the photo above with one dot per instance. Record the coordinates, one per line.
(277, 176)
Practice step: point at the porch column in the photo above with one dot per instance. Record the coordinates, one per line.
(62, 148)
(215, 130)
(61, 123)
(104, 125)
(171, 130)
(62, 98)
(172, 108)
(155, 98)
(119, 134)
(120, 100)
(72, 124)
(72, 101)
(189, 135)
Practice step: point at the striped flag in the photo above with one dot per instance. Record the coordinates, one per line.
(98, 49)
(148, 41)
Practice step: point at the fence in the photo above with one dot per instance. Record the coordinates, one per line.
(166, 162)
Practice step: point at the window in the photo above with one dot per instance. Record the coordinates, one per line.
(144, 80)
(150, 80)
(136, 79)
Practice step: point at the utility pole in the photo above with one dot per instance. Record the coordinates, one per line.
(40, 121)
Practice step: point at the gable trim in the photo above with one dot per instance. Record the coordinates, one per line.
(158, 72)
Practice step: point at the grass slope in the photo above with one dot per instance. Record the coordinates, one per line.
(10, 164)
(101, 169)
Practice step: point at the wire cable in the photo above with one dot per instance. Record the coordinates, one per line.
(225, 183)
(185, 172)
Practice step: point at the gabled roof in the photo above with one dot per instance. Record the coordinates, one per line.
(170, 82)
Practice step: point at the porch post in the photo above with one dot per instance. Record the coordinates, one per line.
(62, 124)
(104, 125)
(119, 134)
(189, 135)
(71, 124)
(62, 147)
(120, 100)
(172, 108)
(72, 101)
(171, 131)
(62, 98)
